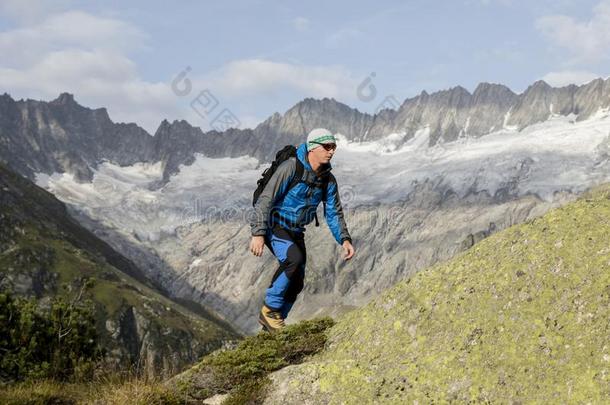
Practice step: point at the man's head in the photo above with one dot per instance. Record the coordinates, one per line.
(321, 145)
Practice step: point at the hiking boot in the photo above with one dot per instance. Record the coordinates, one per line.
(270, 319)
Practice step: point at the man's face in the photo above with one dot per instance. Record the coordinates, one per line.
(322, 154)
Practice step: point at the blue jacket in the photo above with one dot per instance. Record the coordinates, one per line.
(295, 208)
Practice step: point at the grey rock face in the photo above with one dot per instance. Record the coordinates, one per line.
(540, 100)
(603, 151)
(449, 114)
(62, 136)
(392, 242)
(153, 348)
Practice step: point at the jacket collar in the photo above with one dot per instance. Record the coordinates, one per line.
(302, 156)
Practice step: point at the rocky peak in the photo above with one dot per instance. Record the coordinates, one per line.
(272, 120)
(6, 104)
(310, 105)
(177, 126)
(491, 92)
(168, 134)
(102, 114)
(538, 87)
(327, 113)
(6, 97)
(453, 97)
(65, 99)
(164, 126)
(595, 86)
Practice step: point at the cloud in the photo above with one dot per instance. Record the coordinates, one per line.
(301, 24)
(587, 41)
(564, 78)
(30, 10)
(259, 76)
(70, 29)
(85, 55)
(98, 79)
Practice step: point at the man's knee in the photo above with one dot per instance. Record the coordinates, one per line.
(295, 261)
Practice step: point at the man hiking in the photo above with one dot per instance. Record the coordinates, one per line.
(288, 202)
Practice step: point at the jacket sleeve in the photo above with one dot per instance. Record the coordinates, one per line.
(333, 212)
(275, 188)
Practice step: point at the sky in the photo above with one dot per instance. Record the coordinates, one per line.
(235, 63)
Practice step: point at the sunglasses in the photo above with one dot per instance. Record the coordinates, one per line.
(327, 146)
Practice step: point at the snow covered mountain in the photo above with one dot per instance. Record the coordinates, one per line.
(419, 184)
(542, 159)
(62, 136)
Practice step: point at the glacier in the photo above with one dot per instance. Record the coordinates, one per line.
(560, 154)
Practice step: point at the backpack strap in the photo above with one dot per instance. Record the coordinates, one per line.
(298, 177)
(324, 194)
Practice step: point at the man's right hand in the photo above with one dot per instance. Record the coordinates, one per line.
(257, 244)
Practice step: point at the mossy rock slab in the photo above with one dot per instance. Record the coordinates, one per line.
(523, 316)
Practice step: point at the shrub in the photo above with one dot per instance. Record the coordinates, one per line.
(59, 342)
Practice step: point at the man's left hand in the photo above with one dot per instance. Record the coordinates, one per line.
(348, 249)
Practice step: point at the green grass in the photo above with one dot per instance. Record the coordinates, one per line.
(130, 391)
(242, 372)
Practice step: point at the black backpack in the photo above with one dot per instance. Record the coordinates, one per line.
(285, 153)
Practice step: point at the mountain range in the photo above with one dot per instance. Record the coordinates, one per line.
(420, 184)
(63, 136)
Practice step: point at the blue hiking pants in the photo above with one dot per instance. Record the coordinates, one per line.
(289, 249)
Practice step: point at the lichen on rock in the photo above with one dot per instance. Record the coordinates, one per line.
(522, 316)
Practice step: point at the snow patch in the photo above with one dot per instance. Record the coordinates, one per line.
(389, 145)
(194, 264)
(505, 123)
